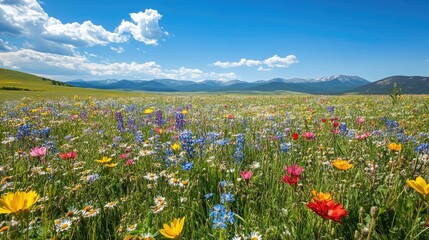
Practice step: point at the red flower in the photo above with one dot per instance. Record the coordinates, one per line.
(323, 119)
(328, 209)
(291, 180)
(69, 155)
(427, 222)
(295, 136)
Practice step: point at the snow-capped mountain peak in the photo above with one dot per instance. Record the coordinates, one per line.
(342, 78)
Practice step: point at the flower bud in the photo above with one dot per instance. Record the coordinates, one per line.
(374, 211)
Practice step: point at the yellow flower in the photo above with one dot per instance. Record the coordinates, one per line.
(148, 111)
(173, 230)
(104, 160)
(420, 185)
(110, 165)
(395, 147)
(320, 196)
(184, 111)
(342, 164)
(176, 147)
(18, 201)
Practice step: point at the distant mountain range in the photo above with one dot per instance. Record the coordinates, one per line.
(338, 84)
(407, 84)
(326, 85)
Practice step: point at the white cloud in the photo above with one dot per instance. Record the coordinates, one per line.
(145, 27)
(4, 46)
(64, 67)
(118, 49)
(264, 69)
(28, 20)
(241, 63)
(274, 61)
(85, 34)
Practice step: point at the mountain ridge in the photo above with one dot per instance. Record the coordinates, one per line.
(407, 85)
(335, 84)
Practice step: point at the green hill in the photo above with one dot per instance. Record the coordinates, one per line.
(407, 84)
(15, 84)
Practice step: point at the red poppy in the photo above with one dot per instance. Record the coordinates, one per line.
(291, 180)
(70, 155)
(328, 209)
(323, 119)
(295, 136)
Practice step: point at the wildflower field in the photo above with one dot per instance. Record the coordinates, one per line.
(215, 167)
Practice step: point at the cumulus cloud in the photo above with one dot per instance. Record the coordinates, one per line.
(27, 19)
(65, 67)
(241, 63)
(144, 28)
(79, 34)
(274, 61)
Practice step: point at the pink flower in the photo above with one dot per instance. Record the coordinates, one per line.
(38, 152)
(308, 135)
(294, 170)
(360, 119)
(362, 136)
(246, 175)
(129, 162)
(335, 131)
(123, 156)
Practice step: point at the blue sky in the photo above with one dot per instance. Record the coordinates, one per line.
(198, 39)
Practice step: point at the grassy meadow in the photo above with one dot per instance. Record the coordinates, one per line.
(229, 166)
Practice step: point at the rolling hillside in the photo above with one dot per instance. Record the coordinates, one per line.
(15, 84)
(407, 84)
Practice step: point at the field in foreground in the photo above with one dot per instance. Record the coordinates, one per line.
(230, 167)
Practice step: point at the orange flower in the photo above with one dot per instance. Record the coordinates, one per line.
(395, 146)
(342, 164)
(321, 196)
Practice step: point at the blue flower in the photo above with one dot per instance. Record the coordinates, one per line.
(227, 197)
(208, 195)
(221, 217)
(217, 209)
(186, 166)
(225, 184)
(424, 147)
(284, 147)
